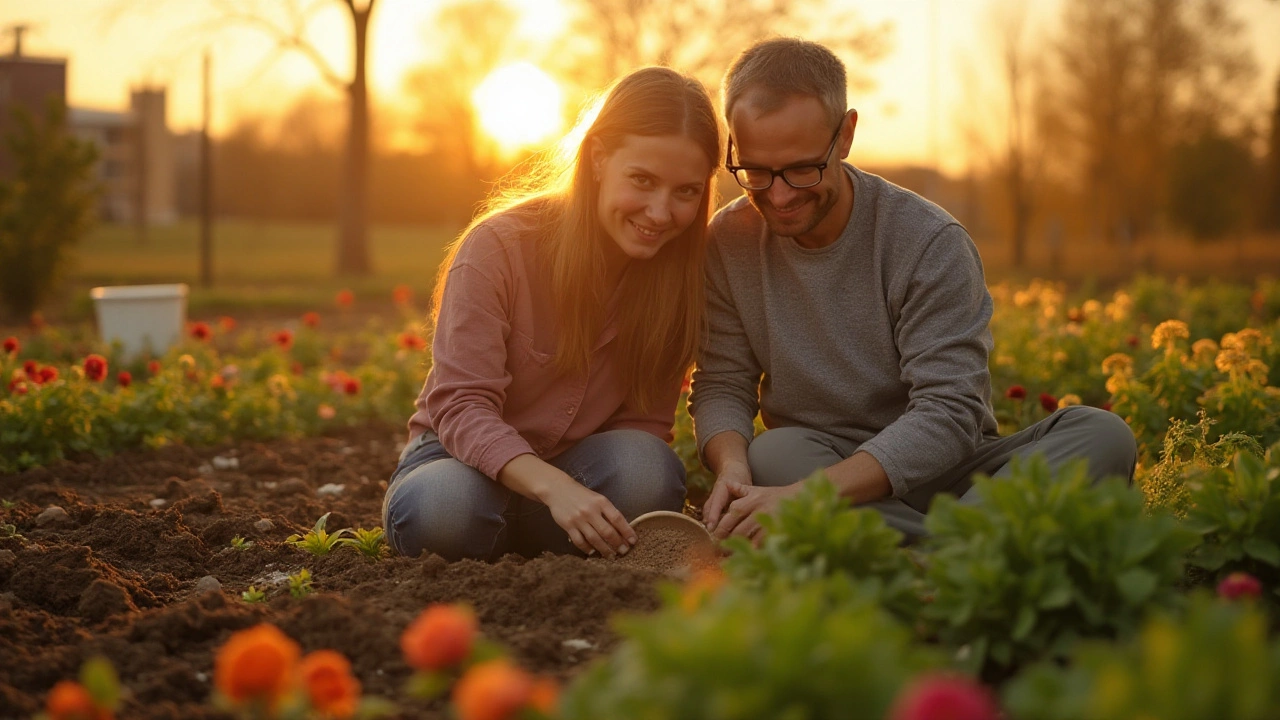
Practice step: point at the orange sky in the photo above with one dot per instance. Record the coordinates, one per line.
(158, 41)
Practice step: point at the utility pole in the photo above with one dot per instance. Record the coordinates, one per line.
(206, 183)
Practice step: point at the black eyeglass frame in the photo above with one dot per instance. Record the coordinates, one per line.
(820, 167)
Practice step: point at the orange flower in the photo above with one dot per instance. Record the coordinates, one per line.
(256, 665)
(410, 341)
(402, 295)
(330, 687)
(494, 690)
(344, 298)
(439, 638)
(69, 700)
(226, 323)
(545, 696)
(311, 319)
(700, 588)
(326, 412)
(283, 338)
(153, 367)
(217, 382)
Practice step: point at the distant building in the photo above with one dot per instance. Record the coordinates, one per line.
(136, 164)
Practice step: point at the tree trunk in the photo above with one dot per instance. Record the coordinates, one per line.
(353, 202)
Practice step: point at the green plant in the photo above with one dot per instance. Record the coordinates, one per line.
(253, 595)
(1215, 662)
(818, 533)
(9, 530)
(7, 504)
(239, 543)
(815, 650)
(370, 543)
(300, 583)
(1237, 510)
(1187, 450)
(46, 206)
(1046, 557)
(97, 694)
(318, 541)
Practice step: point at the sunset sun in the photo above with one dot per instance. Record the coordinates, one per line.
(519, 105)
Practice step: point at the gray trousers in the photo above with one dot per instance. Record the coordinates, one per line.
(783, 456)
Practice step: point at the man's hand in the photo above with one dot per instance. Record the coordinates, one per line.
(743, 516)
(734, 474)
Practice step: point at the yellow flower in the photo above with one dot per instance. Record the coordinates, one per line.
(1116, 383)
(1167, 333)
(187, 362)
(1050, 311)
(1091, 308)
(1248, 340)
(1204, 351)
(1257, 371)
(1118, 309)
(1231, 360)
(1117, 363)
(1068, 400)
(1059, 357)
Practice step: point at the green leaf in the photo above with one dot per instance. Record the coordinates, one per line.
(1025, 624)
(1260, 548)
(100, 679)
(1137, 584)
(427, 685)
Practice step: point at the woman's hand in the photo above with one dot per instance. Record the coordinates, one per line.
(592, 522)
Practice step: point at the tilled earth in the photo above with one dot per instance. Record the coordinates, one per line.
(116, 575)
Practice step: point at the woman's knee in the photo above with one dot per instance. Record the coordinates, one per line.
(637, 471)
(445, 508)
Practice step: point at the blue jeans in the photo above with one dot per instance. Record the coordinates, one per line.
(441, 505)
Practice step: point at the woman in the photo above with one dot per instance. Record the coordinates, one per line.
(565, 318)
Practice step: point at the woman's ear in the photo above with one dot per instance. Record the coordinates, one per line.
(598, 156)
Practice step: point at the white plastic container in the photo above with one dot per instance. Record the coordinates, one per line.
(141, 317)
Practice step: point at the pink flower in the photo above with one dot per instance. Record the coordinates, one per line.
(1238, 585)
(944, 697)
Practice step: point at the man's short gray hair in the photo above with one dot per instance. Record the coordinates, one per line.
(774, 70)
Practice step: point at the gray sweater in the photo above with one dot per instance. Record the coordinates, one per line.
(881, 338)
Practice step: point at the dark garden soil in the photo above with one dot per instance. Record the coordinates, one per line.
(117, 575)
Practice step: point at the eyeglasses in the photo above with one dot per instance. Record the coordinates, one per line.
(797, 176)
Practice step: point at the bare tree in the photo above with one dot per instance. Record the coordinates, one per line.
(290, 36)
(702, 37)
(1018, 166)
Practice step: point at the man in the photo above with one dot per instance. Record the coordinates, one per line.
(853, 314)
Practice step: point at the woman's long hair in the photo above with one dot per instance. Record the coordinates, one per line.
(660, 312)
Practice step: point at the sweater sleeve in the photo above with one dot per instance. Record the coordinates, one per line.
(467, 389)
(944, 339)
(725, 393)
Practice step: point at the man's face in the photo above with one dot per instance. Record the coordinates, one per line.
(798, 133)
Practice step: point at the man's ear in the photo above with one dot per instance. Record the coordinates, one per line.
(851, 119)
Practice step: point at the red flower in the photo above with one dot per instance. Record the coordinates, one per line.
(1016, 392)
(402, 295)
(125, 378)
(1106, 406)
(311, 319)
(48, 374)
(11, 345)
(226, 323)
(18, 386)
(1133, 341)
(201, 331)
(944, 697)
(1238, 585)
(95, 368)
(1048, 402)
(153, 367)
(410, 341)
(351, 386)
(296, 368)
(284, 339)
(344, 298)
(32, 369)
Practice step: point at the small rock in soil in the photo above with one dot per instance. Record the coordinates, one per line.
(292, 486)
(52, 514)
(225, 463)
(7, 556)
(578, 644)
(331, 489)
(208, 583)
(264, 525)
(158, 503)
(204, 469)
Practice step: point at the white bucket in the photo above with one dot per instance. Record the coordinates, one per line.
(141, 317)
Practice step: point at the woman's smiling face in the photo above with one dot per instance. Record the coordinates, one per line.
(650, 190)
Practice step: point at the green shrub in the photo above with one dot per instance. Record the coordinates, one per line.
(1238, 513)
(1187, 451)
(1044, 558)
(816, 534)
(799, 652)
(1216, 662)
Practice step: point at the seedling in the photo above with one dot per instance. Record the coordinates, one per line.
(239, 543)
(371, 543)
(319, 541)
(253, 595)
(10, 531)
(7, 504)
(300, 583)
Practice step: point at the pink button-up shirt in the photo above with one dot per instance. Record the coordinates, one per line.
(493, 392)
